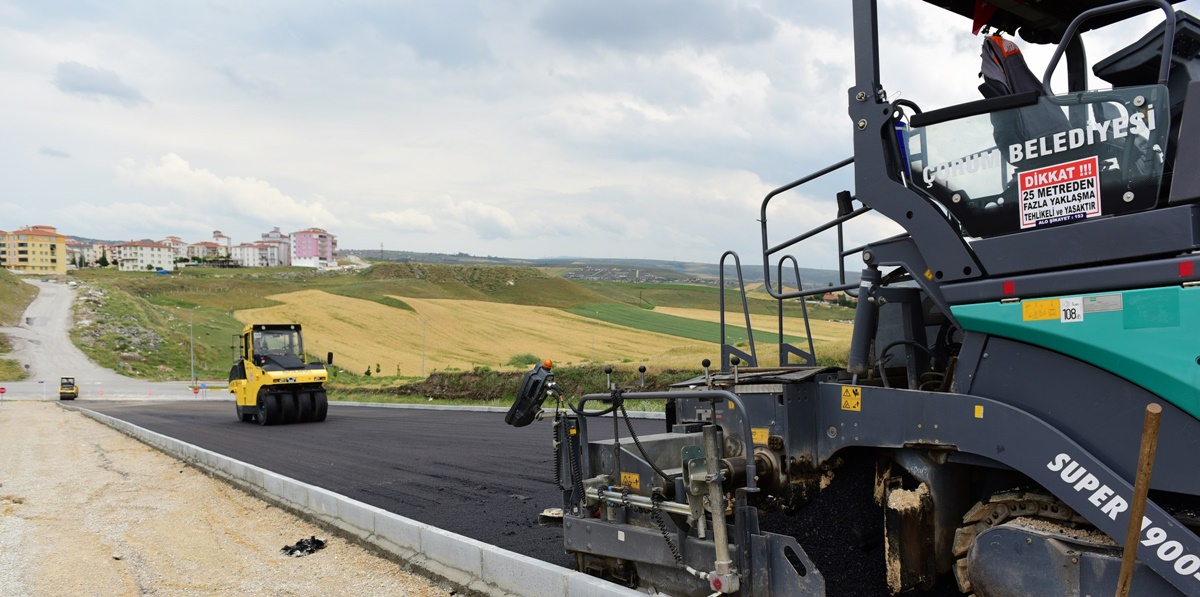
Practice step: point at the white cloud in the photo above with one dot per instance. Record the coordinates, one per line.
(231, 196)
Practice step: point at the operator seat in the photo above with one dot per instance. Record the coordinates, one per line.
(1004, 72)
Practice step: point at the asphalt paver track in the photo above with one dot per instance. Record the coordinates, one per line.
(465, 472)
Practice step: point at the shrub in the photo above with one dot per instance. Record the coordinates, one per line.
(523, 360)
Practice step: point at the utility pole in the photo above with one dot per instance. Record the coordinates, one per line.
(422, 348)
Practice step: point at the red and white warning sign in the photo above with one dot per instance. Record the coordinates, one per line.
(1061, 193)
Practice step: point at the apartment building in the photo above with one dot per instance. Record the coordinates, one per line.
(34, 250)
(93, 252)
(225, 242)
(177, 244)
(143, 255)
(206, 250)
(247, 255)
(281, 251)
(314, 247)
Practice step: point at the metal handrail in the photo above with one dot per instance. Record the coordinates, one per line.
(737, 262)
(812, 354)
(1164, 67)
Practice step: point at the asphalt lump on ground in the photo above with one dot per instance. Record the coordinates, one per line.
(303, 547)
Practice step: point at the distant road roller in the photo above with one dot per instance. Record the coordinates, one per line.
(272, 381)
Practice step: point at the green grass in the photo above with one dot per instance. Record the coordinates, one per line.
(15, 295)
(705, 331)
(10, 370)
(688, 296)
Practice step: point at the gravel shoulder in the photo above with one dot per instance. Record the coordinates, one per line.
(85, 510)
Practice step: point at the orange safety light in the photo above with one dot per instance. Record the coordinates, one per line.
(547, 364)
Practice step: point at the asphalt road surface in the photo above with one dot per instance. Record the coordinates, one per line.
(465, 472)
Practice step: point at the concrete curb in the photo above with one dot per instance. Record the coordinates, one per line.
(478, 566)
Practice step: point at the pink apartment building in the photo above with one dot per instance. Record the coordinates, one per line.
(314, 247)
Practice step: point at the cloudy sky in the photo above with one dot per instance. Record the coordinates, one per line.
(515, 128)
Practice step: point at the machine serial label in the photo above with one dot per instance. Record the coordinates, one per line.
(760, 435)
(1103, 303)
(852, 398)
(631, 480)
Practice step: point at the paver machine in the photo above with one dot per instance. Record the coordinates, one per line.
(271, 379)
(983, 439)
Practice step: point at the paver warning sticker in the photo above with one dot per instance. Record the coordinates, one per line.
(1061, 193)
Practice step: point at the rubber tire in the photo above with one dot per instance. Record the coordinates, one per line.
(287, 412)
(244, 417)
(307, 405)
(322, 406)
(267, 409)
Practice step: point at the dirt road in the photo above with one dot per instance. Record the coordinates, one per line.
(85, 510)
(42, 342)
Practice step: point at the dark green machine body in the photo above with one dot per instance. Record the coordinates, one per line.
(983, 438)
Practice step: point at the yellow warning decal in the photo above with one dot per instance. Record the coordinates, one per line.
(852, 398)
(929, 274)
(731, 407)
(760, 435)
(978, 411)
(1039, 310)
(572, 431)
(631, 480)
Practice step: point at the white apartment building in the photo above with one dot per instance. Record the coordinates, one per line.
(280, 253)
(143, 255)
(177, 244)
(247, 255)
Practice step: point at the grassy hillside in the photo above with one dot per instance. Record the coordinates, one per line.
(15, 295)
(474, 316)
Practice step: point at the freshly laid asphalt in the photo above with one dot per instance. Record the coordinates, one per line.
(465, 472)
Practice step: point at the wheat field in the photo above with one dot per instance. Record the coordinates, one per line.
(462, 334)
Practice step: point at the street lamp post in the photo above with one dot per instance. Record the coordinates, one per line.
(192, 344)
(422, 348)
(192, 341)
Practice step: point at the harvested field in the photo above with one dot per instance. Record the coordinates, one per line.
(463, 334)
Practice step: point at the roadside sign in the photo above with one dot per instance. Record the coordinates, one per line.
(203, 386)
(2, 390)
(195, 390)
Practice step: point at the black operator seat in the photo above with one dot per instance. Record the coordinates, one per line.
(1005, 72)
